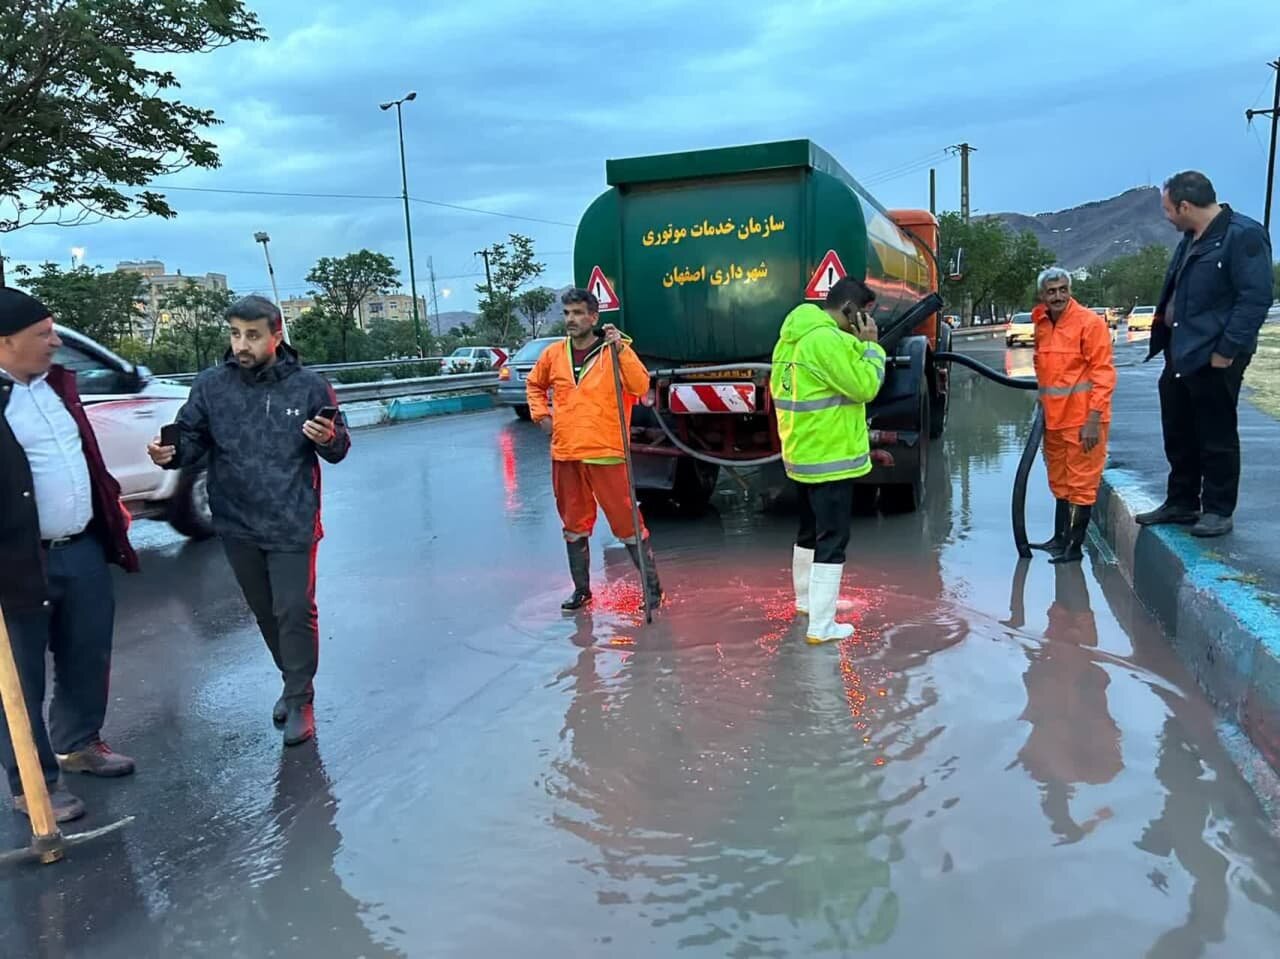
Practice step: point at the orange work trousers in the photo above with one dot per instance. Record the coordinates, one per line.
(579, 487)
(1074, 475)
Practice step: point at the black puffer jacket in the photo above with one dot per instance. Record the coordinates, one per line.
(264, 475)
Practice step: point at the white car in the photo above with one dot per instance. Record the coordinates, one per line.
(127, 405)
(465, 358)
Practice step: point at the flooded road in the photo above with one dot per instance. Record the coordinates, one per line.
(1004, 761)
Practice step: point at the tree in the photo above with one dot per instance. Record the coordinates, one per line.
(512, 266)
(197, 321)
(1275, 271)
(391, 339)
(344, 282)
(534, 306)
(102, 306)
(997, 266)
(81, 116)
(1135, 279)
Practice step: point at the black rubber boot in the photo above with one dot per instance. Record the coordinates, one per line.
(580, 569)
(1076, 533)
(1061, 520)
(652, 586)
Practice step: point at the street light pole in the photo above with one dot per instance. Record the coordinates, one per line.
(408, 229)
(264, 240)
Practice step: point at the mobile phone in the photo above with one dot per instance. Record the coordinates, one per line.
(328, 413)
(169, 435)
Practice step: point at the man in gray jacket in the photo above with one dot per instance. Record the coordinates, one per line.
(258, 418)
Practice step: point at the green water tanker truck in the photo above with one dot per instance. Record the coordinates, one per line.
(699, 257)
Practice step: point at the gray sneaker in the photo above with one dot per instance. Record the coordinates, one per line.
(1211, 524)
(66, 807)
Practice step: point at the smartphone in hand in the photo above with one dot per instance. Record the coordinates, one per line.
(327, 413)
(169, 435)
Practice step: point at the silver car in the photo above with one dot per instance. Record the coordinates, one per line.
(516, 370)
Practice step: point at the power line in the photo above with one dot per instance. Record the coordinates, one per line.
(363, 196)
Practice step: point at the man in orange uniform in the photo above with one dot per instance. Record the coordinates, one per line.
(587, 465)
(1077, 378)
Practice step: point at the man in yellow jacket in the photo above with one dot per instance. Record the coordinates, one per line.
(828, 364)
(587, 465)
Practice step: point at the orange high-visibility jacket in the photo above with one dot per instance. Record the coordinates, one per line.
(585, 425)
(1074, 366)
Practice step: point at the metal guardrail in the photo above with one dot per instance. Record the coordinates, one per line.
(329, 367)
(967, 331)
(417, 386)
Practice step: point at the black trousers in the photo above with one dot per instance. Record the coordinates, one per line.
(1201, 441)
(280, 588)
(826, 511)
(76, 628)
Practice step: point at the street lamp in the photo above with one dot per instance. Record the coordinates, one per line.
(408, 230)
(264, 239)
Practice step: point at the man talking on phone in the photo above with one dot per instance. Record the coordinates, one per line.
(264, 421)
(827, 365)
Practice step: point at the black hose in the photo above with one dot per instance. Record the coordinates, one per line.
(1013, 382)
(1019, 502)
(1019, 505)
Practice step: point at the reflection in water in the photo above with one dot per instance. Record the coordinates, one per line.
(1073, 740)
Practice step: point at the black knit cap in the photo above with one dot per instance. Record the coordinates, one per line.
(18, 311)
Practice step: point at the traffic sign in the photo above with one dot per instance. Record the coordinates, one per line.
(824, 277)
(599, 287)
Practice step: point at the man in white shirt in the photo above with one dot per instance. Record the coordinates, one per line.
(61, 521)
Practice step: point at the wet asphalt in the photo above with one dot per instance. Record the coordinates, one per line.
(1005, 761)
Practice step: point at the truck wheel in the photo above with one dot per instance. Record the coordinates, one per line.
(523, 412)
(909, 497)
(189, 512)
(695, 482)
(864, 499)
(941, 404)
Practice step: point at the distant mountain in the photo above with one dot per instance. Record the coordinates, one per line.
(1100, 231)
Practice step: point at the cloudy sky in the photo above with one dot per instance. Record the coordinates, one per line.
(520, 102)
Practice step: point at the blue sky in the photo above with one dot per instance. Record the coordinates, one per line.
(520, 102)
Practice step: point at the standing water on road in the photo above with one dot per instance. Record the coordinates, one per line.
(1005, 760)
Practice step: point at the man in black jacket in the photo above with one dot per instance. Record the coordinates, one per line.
(61, 522)
(1216, 295)
(257, 417)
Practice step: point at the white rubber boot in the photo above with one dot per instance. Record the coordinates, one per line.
(824, 593)
(801, 565)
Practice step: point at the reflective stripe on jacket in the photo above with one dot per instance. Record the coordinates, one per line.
(1073, 366)
(821, 381)
(585, 422)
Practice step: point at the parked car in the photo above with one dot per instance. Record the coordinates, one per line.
(1021, 331)
(127, 405)
(512, 376)
(466, 358)
(1141, 318)
(1111, 317)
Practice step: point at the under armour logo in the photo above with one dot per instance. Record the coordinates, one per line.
(289, 412)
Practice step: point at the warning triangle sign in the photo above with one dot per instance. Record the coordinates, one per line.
(599, 287)
(824, 278)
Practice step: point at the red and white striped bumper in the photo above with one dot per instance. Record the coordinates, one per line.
(712, 398)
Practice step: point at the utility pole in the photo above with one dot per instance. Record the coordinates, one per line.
(933, 191)
(488, 277)
(964, 150)
(435, 304)
(1274, 114)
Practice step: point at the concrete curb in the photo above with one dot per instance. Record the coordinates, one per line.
(369, 413)
(1225, 630)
